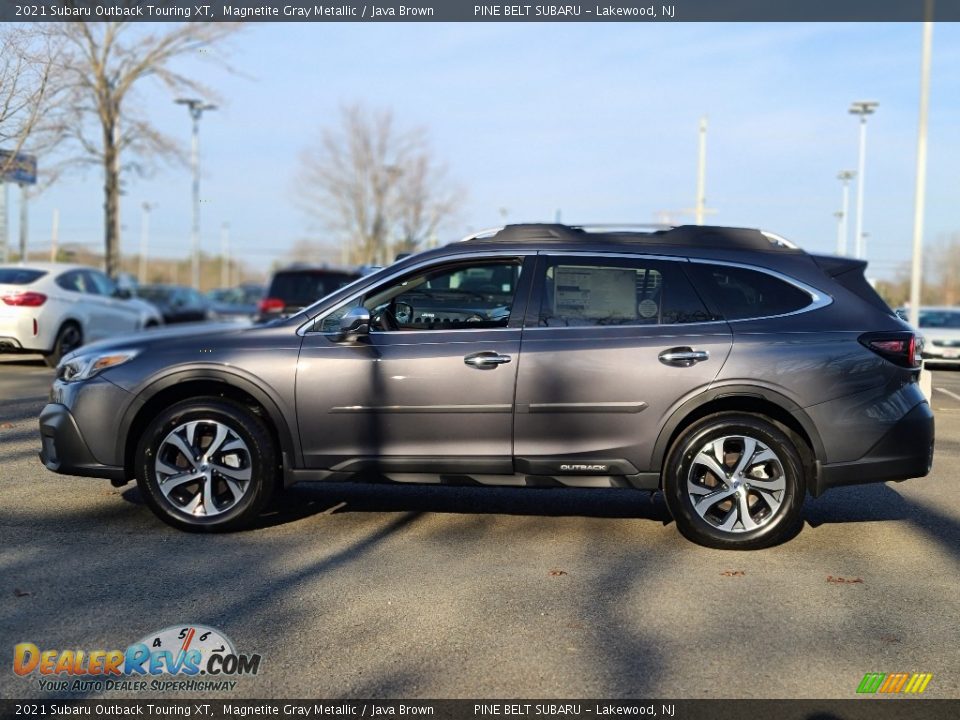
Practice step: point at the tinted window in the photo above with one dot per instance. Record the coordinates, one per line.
(305, 288)
(578, 292)
(74, 280)
(19, 276)
(155, 294)
(473, 296)
(100, 284)
(740, 293)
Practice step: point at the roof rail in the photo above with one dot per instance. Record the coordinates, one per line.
(488, 232)
(655, 234)
(622, 227)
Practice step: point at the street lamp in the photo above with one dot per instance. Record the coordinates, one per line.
(861, 108)
(845, 176)
(196, 109)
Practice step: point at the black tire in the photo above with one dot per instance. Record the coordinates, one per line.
(69, 338)
(258, 459)
(686, 476)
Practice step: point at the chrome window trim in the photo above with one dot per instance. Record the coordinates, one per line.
(819, 299)
(304, 329)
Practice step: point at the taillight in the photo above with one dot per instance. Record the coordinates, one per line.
(24, 299)
(270, 304)
(900, 348)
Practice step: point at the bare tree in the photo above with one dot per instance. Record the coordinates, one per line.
(102, 65)
(377, 188)
(26, 65)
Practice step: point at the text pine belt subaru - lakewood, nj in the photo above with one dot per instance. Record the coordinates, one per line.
(725, 367)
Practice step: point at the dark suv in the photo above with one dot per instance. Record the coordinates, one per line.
(294, 288)
(725, 367)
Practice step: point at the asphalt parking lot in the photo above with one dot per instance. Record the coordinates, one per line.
(382, 591)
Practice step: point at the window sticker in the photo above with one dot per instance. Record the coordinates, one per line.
(595, 292)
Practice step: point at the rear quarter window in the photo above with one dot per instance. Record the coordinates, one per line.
(740, 293)
(19, 276)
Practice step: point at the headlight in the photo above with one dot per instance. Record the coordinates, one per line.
(82, 367)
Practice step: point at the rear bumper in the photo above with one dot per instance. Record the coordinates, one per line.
(63, 449)
(904, 452)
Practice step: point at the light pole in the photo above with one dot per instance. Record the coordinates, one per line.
(844, 177)
(919, 197)
(144, 240)
(225, 255)
(861, 108)
(701, 173)
(196, 109)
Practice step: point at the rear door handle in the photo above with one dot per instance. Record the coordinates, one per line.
(486, 360)
(683, 356)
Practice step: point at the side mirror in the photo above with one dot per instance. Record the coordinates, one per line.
(355, 324)
(122, 293)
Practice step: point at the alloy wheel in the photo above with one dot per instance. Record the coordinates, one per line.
(736, 483)
(203, 468)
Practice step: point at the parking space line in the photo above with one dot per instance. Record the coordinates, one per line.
(332, 510)
(947, 392)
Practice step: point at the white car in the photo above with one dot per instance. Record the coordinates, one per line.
(53, 308)
(940, 327)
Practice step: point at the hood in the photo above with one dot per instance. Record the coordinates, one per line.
(144, 339)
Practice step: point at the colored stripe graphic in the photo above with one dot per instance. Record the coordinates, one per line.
(918, 683)
(871, 682)
(901, 682)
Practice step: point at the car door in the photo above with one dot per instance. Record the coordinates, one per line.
(611, 345)
(431, 388)
(114, 315)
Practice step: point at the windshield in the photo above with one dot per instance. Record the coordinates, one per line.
(155, 294)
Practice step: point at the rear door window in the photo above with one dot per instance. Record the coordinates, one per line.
(579, 291)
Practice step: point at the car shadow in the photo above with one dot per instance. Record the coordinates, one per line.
(308, 499)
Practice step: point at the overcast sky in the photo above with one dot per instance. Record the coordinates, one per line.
(596, 120)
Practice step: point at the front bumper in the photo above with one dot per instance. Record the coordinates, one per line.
(904, 452)
(64, 449)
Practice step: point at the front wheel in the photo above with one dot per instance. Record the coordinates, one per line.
(206, 465)
(735, 481)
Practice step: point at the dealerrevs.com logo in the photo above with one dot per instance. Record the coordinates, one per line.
(194, 656)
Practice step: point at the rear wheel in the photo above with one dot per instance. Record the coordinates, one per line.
(735, 481)
(206, 465)
(69, 338)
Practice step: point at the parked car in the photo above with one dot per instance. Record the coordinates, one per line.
(177, 303)
(238, 304)
(294, 288)
(725, 367)
(54, 308)
(940, 327)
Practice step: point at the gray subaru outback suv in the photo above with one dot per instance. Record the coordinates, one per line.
(724, 367)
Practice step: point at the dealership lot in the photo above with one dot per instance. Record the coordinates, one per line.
(389, 591)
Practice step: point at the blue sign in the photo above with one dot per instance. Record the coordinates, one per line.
(19, 168)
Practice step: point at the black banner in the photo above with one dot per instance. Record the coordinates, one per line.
(893, 708)
(475, 10)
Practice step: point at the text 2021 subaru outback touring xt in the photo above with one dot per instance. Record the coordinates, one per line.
(723, 366)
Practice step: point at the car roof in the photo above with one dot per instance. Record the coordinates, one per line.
(49, 266)
(595, 236)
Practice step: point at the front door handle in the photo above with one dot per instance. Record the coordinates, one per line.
(683, 356)
(486, 360)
